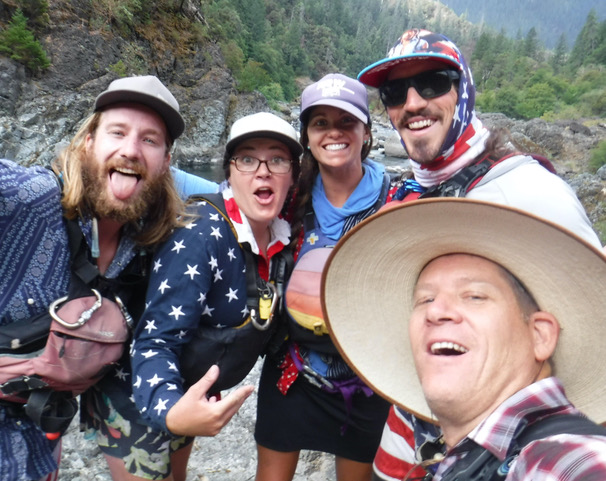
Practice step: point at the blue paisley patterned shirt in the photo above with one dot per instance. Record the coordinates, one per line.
(34, 271)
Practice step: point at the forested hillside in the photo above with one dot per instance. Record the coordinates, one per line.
(269, 45)
(550, 18)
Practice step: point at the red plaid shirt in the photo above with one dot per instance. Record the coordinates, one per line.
(564, 457)
(569, 457)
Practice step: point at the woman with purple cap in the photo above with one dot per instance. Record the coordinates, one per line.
(308, 397)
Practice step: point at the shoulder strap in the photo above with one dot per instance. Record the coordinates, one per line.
(80, 263)
(468, 177)
(481, 465)
(256, 287)
(460, 183)
(549, 426)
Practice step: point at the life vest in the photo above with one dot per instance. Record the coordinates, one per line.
(302, 300)
(236, 350)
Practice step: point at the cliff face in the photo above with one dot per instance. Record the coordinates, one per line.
(40, 114)
(37, 114)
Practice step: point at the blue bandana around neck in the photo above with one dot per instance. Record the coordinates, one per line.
(331, 218)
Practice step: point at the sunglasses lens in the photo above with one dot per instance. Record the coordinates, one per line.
(429, 85)
(433, 84)
(393, 92)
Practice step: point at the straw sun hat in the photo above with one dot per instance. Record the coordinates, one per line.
(368, 281)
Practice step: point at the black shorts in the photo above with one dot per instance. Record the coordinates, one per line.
(312, 419)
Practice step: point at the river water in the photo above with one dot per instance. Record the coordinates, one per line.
(214, 170)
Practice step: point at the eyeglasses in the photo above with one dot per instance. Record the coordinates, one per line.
(276, 165)
(428, 85)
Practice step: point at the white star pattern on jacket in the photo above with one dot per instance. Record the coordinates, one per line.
(198, 278)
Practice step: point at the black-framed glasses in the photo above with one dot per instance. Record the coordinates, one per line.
(429, 85)
(276, 165)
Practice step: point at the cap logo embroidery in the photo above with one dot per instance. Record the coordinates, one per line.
(333, 87)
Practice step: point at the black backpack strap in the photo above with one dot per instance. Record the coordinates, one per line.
(464, 180)
(259, 293)
(81, 266)
(549, 426)
(458, 185)
(53, 411)
(384, 191)
(309, 218)
(481, 465)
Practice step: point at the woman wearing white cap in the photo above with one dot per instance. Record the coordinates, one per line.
(200, 310)
(308, 397)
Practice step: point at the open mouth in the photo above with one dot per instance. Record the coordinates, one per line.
(123, 181)
(447, 348)
(264, 194)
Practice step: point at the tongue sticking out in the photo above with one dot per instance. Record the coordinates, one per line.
(122, 185)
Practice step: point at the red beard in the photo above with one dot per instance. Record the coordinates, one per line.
(95, 178)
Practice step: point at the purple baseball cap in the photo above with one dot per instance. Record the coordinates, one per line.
(336, 90)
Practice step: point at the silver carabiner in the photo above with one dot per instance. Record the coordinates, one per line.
(84, 317)
(127, 317)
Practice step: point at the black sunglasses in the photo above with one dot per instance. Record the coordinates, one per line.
(429, 85)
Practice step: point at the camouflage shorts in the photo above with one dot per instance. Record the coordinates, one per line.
(145, 452)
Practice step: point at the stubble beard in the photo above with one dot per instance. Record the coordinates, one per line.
(423, 152)
(105, 206)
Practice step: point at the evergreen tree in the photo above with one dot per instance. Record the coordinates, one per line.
(558, 60)
(587, 41)
(531, 44)
(19, 43)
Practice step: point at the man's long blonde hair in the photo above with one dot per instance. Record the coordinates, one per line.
(162, 216)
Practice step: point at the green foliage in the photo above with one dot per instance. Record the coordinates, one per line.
(252, 77)
(536, 101)
(598, 156)
(267, 44)
(234, 57)
(133, 62)
(122, 13)
(36, 11)
(119, 68)
(273, 93)
(19, 43)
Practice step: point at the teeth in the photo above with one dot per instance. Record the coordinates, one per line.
(441, 347)
(126, 171)
(421, 124)
(335, 146)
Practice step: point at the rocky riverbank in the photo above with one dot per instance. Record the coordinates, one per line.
(230, 456)
(39, 115)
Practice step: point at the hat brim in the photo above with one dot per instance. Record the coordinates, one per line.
(295, 147)
(369, 278)
(375, 75)
(175, 125)
(340, 104)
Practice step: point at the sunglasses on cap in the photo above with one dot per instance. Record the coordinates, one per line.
(428, 85)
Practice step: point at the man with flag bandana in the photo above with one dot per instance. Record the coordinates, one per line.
(428, 91)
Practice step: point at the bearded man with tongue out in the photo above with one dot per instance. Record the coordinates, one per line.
(428, 91)
(115, 180)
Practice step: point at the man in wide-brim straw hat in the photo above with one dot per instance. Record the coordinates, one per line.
(482, 319)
